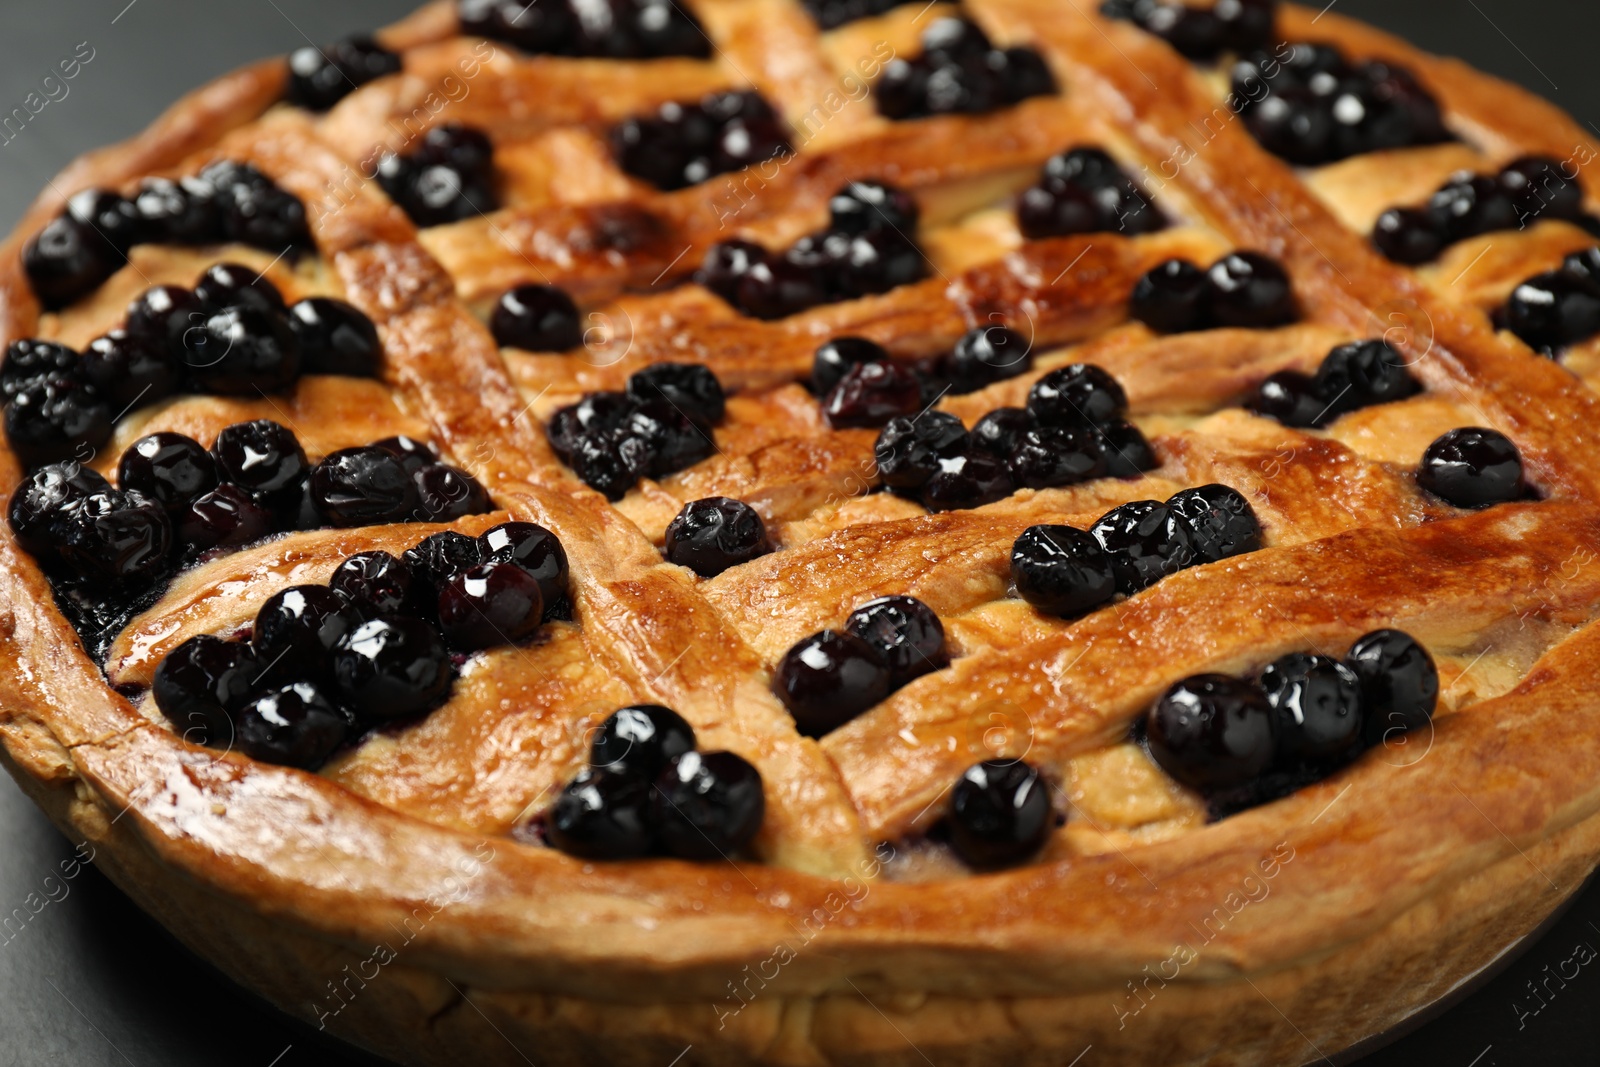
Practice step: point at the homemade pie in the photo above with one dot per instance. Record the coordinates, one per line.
(820, 532)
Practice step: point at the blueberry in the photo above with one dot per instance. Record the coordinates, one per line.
(392, 668)
(446, 493)
(336, 338)
(1472, 468)
(1363, 373)
(603, 815)
(865, 206)
(1211, 731)
(491, 604)
(363, 487)
(42, 505)
(1293, 399)
(612, 464)
(130, 369)
(986, 355)
(539, 318)
(1000, 813)
(1539, 186)
(1409, 235)
(377, 583)
(870, 394)
(298, 628)
(536, 26)
(1059, 212)
(293, 726)
(1020, 73)
(775, 288)
(31, 360)
(828, 679)
(708, 805)
(414, 455)
(1399, 682)
(226, 285)
(55, 419)
(67, 261)
(1317, 702)
(1078, 395)
(1250, 290)
(1128, 454)
(906, 634)
(178, 212)
(319, 79)
(1295, 125)
(1218, 520)
(726, 263)
(902, 90)
(169, 468)
(121, 537)
(835, 358)
(223, 517)
(439, 557)
(1145, 541)
(1172, 297)
(1469, 205)
(1000, 431)
(673, 441)
(876, 262)
(265, 460)
(691, 388)
(954, 38)
(1553, 310)
(709, 536)
(201, 684)
(242, 352)
(1062, 570)
(908, 450)
(967, 481)
(1053, 456)
(253, 210)
(113, 218)
(640, 739)
(533, 548)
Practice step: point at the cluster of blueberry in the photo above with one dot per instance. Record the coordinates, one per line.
(1065, 571)
(1201, 33)
(1242, 741)
(1352, 376)
(648, 791)
(614, 29)
(89, 241)
(708, 536)
(1558, 308)
(660, 425)
(379, 643)
(1084, 191)
(830, 14)
(960, 72)
(448, 177)
(866, 249)
(1472, 467)
(320, 78)
(684, 144)
(829, 678)
(1072, 430)
(1316, 107)
(1469, 204)
(1242, 289)
(231, 336)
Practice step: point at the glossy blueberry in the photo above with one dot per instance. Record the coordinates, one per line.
(1363, 373)
(1053, 456)
(201, 684)
(878, 261)
(320, 78)
(363, 487)
(113, 218)
(906, 634)
(970, 480)
(41, 506)
(31, 360)
(1469, 205)
(902, 90)
(1555, 309)
(265, 460)
(1211, 731)
(1472, 467)
(413, 454)
(1218, 520)
(1000, 431)
(66, 261)
(673, 440)
(121, 537)
(709, 536)
(1059, 212)
(446, 493)
(865, 206)
(1294, 125)
(242, 352)
(336, 338)
(1541, 187)
(777, 287)
(130, 369)
(253, 210)
(377, 583)
(603, 814)
(178, 212)
(226, 285)
(684, 144)
(539, 26)
(1061, 570)
(828, 679)
(292, 726)
(223, 517)
(533, 548)
(1317, 702)
(1409, 235)
(55, 419)
(1000, 813)
(1172, 297)
(169, 468)
(539, 318)
(1250, 290)
(439, 557)
(986, 355)
(1128, 454)
(1078, 395)
(640, 739)
(1399, 682)
(1145, 541)
(870, 394)
(708, 806)
(691, 388)
(392, 668)
(612, 464)
(1292, 398)
(908, 450)
(835, 358)
(491, 604)
(297, 630)
(725, 263)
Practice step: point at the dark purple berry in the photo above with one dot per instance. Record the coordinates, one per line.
(1172, 297)
(1218, 520)
(446, 493)
(1539, 186)
(227, 285)
(392, 668)
(1053, 456)
(1292, 398)
(709, 536)
(866, 206)
(30, 360)
(169, 468)
(539, 318)
(1000, 813)
(1409, 235)
(905, 632)
(297, 630)
(113, 218)
(533, 548)
(55, 419)
(1078, 395)
(491, 604)
(320, 78)
(987, 355)
(265, 460)
(1061, 570)
(413, 454)
(708, 805)
(1128, 454)
(1250, 290)
(1553, 310)
(1211, 731)
(726, 263)
(775, 288)
(673, 440)
(201, 684)
(223, 517)
(293, 726)
(835, 358)
(1472, 468)
(1145, 541)
(1363, 373)
(41, 506)
(178, 212)
(1470, 205)
(336, 338)
(828, 679)
(363, 487)
(1000, 431)
(640, 739)
(130, 370)
(1399, 683)
(690, 388)
(377, 583)
(67, 261)
(870, 394)
(1318, 705)
(439, 557)
(908, 450)
(967, 481)
(603, 814)
(121, 537)
(242, 351)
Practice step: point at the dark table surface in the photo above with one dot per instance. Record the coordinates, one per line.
(91, 982)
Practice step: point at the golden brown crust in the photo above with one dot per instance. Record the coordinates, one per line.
(286, 877)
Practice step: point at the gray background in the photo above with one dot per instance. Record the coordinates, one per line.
(92, 983)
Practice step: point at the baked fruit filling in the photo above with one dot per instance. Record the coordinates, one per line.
(906, 418)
